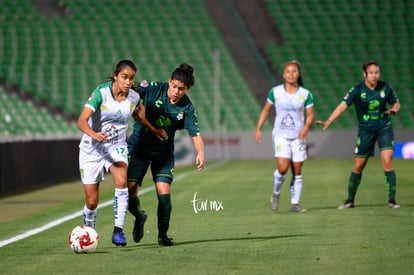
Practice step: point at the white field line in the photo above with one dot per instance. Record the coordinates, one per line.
(80, 213)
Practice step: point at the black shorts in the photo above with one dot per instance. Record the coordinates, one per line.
(367, 137)
(162, 166)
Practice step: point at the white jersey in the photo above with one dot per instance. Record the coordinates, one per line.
(289, 110)
(110, 117)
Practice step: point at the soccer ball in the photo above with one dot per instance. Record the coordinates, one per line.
(83, 239)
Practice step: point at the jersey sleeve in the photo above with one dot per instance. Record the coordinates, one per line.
(393, 98)
(350, 96)
(191, 121)
(271, 97)
(309, 101)
(94, 100)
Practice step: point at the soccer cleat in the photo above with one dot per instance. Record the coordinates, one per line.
(393, 204)
(274, 201)
(165, 241)
(119, 239)
(138, 231)
(297, 208)
(346, 204)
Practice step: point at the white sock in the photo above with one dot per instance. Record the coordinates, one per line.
(120, 206)
(278, 180)
(296, 189)
(89, 216)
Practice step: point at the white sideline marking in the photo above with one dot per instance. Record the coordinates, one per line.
(80, 213)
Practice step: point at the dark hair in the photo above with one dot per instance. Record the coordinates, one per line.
(122, 65)
(184, 73)
(294, 62)
(369, 63)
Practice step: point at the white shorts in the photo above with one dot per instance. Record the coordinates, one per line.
(292, 149)
(92, 168)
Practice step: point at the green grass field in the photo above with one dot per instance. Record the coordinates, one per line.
(236, 233)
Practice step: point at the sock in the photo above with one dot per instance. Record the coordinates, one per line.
(354, 181)
(89, 216)
(278, 180)
(134, 206)
(120, 206)
(117, 229)
(391, 184)
(296, 189)
(164, 214)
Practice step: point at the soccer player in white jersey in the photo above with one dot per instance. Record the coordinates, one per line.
(104, 122)
(290, 131)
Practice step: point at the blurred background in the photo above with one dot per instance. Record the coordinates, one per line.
(54, 53)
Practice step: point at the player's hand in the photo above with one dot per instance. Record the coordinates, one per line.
(100, 136)
(325, 124)
(161, 134)
(391, 112)
(200, 161)
(258, 136)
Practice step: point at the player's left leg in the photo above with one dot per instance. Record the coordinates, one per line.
(118, 170)
(386, 146)
(163, 170)
(299, 155)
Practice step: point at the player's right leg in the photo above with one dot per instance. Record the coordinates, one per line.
(91, 169)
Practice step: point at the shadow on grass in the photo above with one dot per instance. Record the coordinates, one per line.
(373, 205)
(249, 238)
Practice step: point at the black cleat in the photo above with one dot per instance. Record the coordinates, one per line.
(165, 241)
(138, 231)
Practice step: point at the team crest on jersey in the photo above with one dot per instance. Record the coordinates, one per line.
(143, 83)
(382, 94)
(180, 115)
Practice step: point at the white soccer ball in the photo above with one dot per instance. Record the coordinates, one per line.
(83, 239)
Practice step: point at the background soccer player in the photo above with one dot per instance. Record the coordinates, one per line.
(290, 130)
(168, 109)
(371, 98)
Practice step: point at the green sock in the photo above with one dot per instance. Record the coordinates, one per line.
(164, 214)
(391, 184)
(354, 181)
(134, 206)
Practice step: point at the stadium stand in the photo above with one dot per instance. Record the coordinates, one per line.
(60, 60)
(333, 38)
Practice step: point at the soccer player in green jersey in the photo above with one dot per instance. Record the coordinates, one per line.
(168, 109)
(371, 98)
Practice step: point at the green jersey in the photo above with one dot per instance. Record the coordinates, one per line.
(370, 105)
(162, 114)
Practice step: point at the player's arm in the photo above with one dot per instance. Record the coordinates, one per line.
(334, 115)
(139, 115)
(262, 119)
(308, 123)
(199, 147)
(395, 108)
(83, 125)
